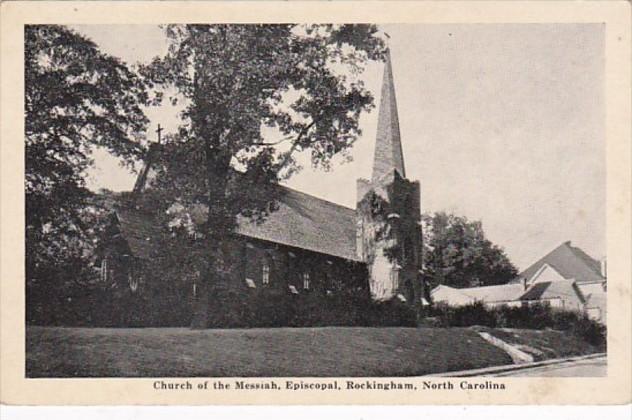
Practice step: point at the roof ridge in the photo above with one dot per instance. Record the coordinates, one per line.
(315, 197)
(542, 259)
(591, 262)
(490, 285)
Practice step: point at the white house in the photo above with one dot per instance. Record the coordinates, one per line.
(565, 278)
(569, 262)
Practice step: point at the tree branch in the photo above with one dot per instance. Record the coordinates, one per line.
(296, 141)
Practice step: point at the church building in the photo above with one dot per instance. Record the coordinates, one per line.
(308, 245)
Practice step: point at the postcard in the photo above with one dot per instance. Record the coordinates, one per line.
(290, 203)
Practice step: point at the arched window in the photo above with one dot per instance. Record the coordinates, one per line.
(265, 272)
(306, 280)
(103, 273)
(133, 281)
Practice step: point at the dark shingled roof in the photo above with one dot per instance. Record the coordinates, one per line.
(139, 229)
(301, 221)
(571, 262)
(307, 222)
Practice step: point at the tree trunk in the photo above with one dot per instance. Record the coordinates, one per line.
(219, 227)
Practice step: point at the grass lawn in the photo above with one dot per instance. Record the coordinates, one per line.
(544, 344)
(334, 351)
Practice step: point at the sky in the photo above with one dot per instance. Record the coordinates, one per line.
(503, 123)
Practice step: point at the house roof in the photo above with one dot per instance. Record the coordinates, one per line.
(552, 289)
(498, 293)
(536, 291)
(301, 220)
(571, 262)
(443, 287)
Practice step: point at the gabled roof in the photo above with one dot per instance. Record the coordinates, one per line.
(546, 273)
(571, 262)
(536, 291)
(140, 230)
(443, 287)
(498, 293)
(301, 221)
(553, 289)
(307, 222)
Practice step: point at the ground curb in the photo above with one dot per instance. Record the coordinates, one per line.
(509, 368)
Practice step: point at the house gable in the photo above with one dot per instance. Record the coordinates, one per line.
(569, 261)
(546, 273)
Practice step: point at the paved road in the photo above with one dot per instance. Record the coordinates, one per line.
(581, 368)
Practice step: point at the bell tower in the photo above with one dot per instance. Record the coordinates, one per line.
(388, 211)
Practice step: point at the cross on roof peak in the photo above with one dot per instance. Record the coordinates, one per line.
(159, 131)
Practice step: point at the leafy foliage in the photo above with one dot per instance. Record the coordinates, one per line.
(535, 316)
(457, 253)
(274, 309)
(76, 99)
(255, 96)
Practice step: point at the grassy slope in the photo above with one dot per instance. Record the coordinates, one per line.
(543, 344)
(169, 352)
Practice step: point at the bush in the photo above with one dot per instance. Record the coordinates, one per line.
(270, 308)
(464, 316)
(590, 331)
(391, 313)
(536, 316)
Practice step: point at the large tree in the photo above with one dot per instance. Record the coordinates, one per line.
(76, 99)
(457, 253)
(255, 96)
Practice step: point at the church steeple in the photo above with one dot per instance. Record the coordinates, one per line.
(388, 212)
(388, 147)
(148, 171)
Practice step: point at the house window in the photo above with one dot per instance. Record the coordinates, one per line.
(306, 281)
(394, 275)
(265, 273)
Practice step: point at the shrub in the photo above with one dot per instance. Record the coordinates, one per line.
(536, 316)
(463, 316)
(590, 331)
(391, 313)
(270, 308)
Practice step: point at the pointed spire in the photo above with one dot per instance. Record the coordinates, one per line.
(388, 147)
(145, 172)
(141, 180)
